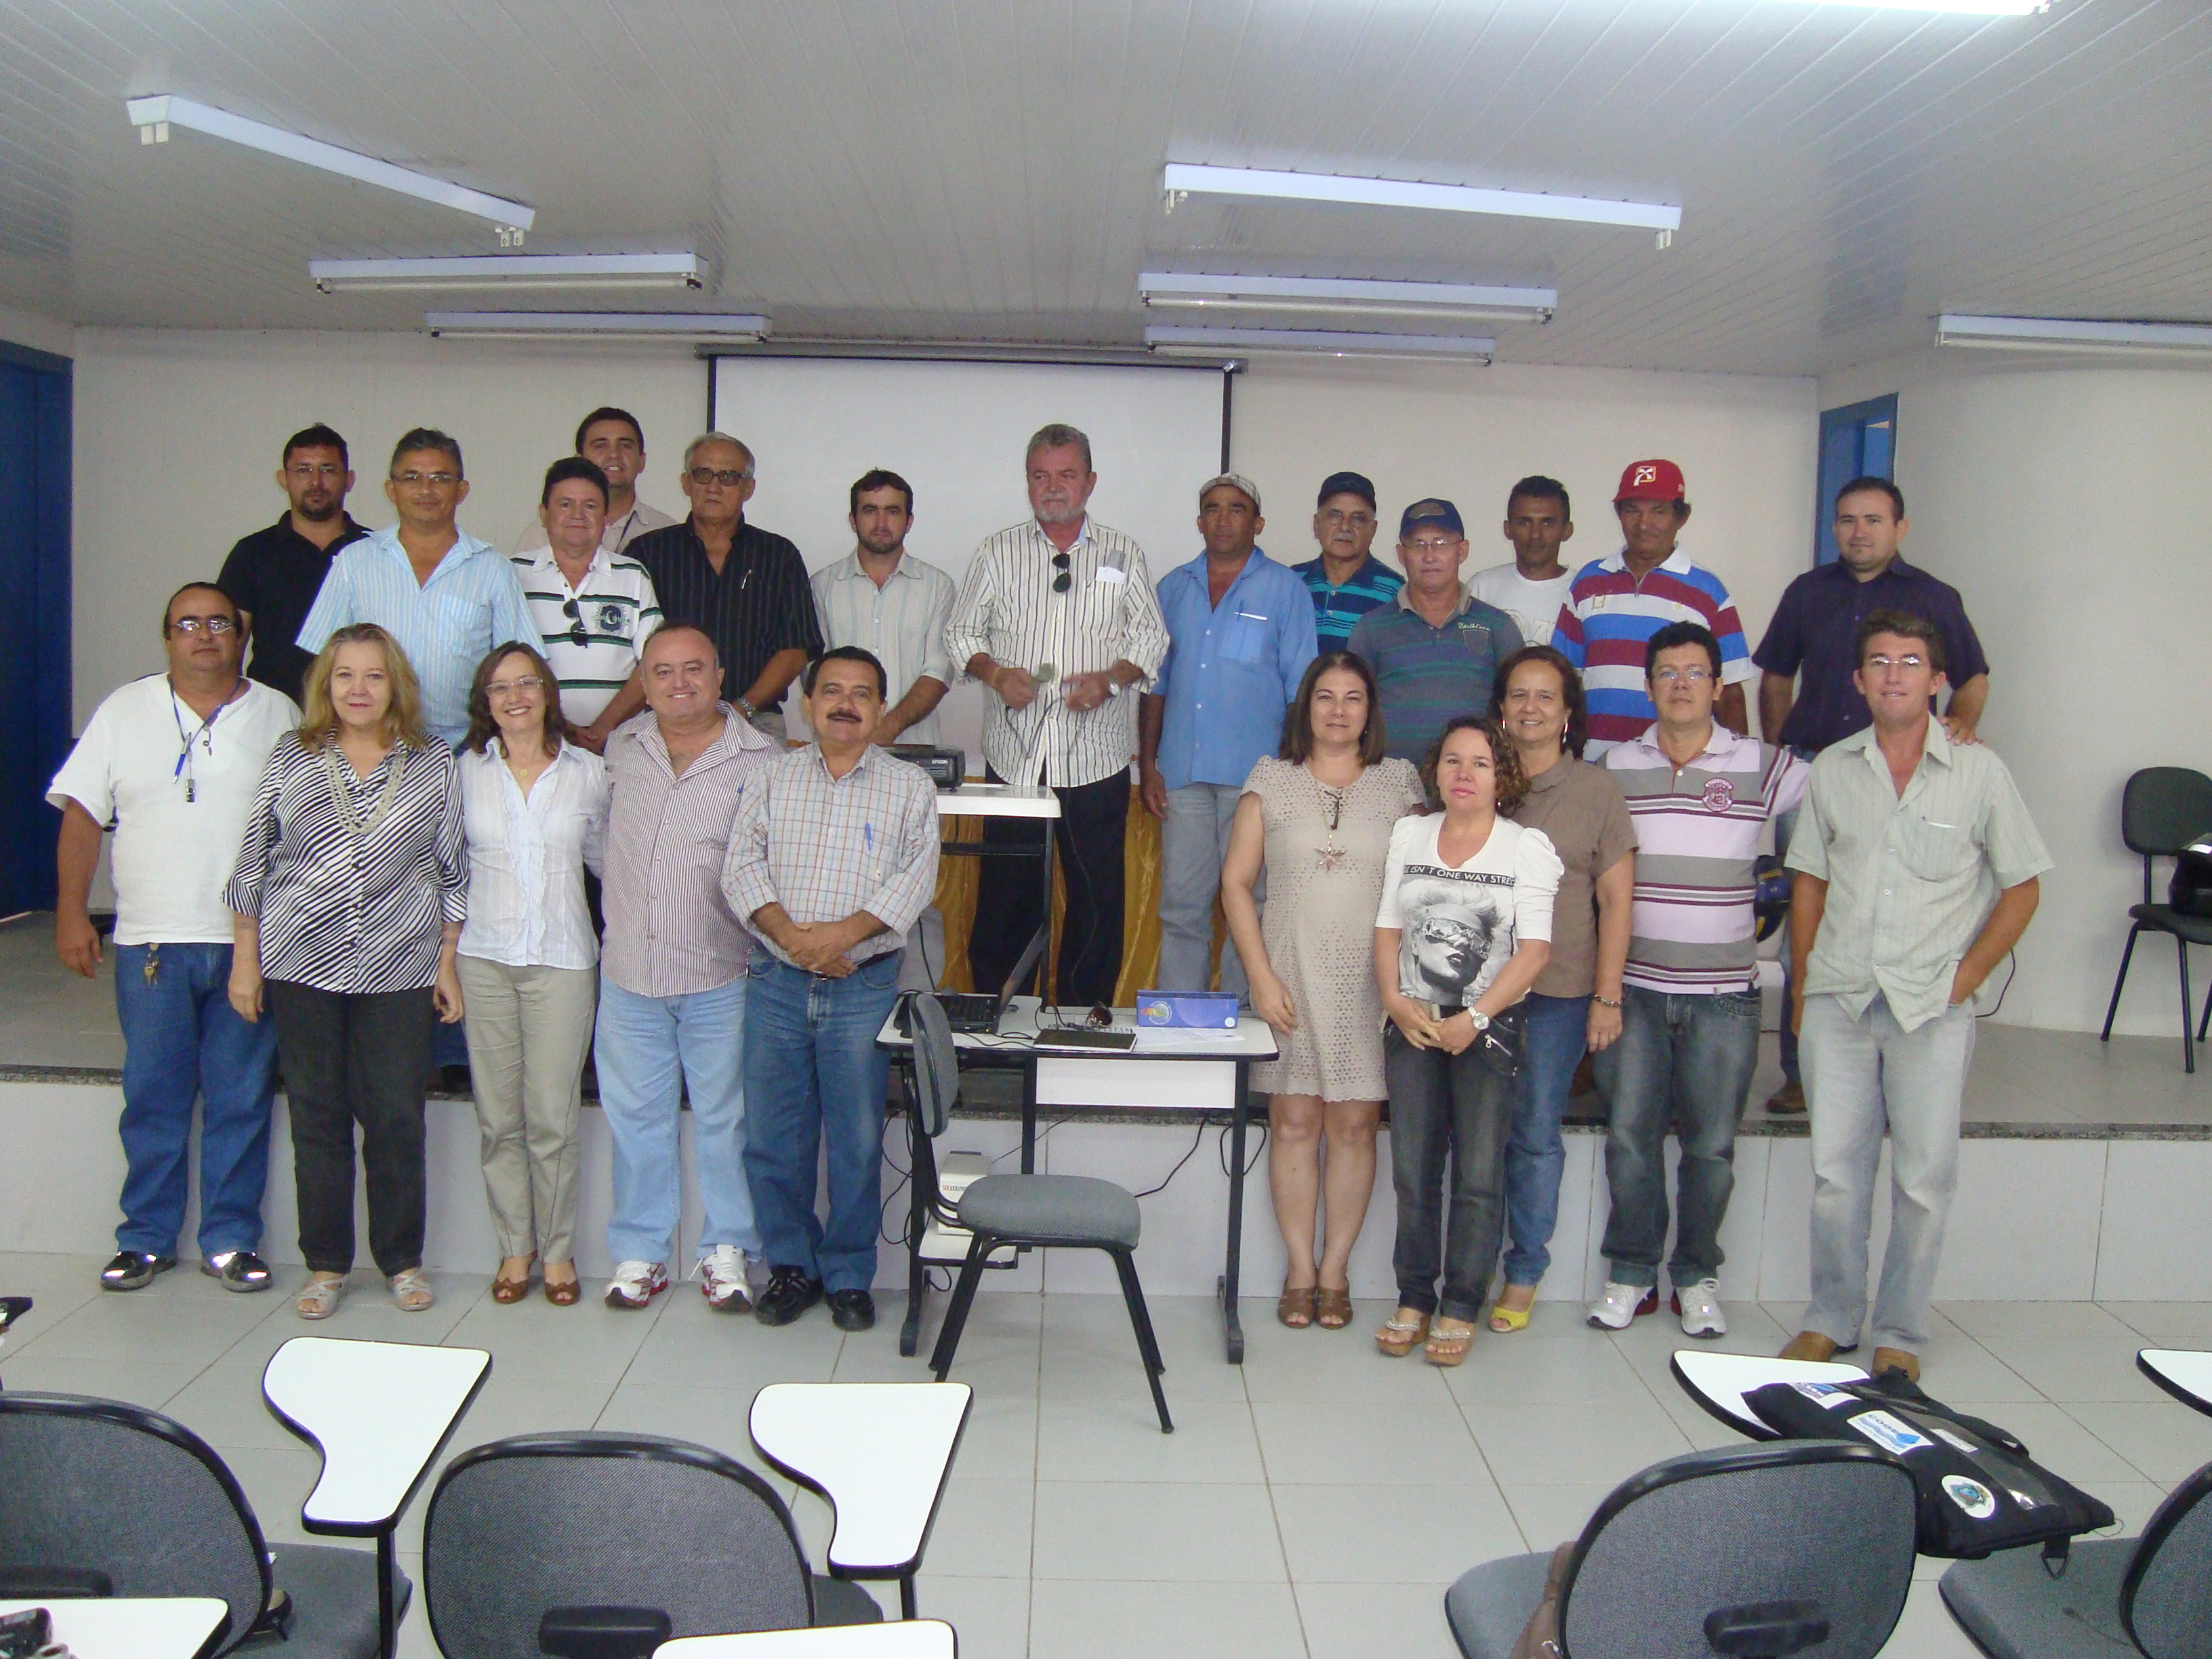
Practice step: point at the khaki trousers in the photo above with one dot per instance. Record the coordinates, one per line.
(529, 1030)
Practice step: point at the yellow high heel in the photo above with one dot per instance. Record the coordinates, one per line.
(1506, 1321)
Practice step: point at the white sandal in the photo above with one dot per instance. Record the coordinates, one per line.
(410, 1289)
(319, 1297)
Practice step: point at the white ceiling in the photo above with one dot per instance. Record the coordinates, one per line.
(989, 170)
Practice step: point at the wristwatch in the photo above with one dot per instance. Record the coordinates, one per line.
(1481, 1020)
(1113, 686)
(746, 704)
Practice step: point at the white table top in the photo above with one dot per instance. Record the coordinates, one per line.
(1020, 1032)
(378, 1410)
(2186, 1372)
(1718, 1381)
(910, 1638)
(878, 1451)
(997, 800)
(133, 1627)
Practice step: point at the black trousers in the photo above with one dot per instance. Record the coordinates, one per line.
(1094, 818)
(347, 1060)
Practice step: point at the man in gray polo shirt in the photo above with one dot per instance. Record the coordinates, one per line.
(1916, 865)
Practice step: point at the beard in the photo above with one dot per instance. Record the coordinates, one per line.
(318, 513)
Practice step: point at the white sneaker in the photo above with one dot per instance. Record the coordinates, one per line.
(721, 1276)
(1618, 1308)
(636, 1283)
(1699, 1304)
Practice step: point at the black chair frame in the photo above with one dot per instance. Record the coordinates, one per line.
(2179, 1504)
(2150, 855)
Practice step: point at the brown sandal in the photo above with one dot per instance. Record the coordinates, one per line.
(1333, 1309)
(1448, 1347)
(1398, 1337)
(563, 1295)
(1295, 1307)
(508, 1292)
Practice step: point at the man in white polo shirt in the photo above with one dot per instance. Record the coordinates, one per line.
(612, 440)
(172, 763)
(594, 609)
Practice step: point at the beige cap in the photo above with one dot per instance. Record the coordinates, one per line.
(1236, 481)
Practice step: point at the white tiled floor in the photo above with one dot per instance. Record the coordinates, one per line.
(1315, 1502)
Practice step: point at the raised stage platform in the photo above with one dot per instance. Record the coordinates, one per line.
(2081, 1178)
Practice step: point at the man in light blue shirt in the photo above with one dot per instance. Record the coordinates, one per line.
(1240, 633)
(444, 596)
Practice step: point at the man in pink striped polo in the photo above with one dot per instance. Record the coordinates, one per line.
(1699, 795)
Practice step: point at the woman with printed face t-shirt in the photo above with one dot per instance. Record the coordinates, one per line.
(1464, 928)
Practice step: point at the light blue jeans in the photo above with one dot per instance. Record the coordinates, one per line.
(1193, 842)
(1860, 1076)
(1536, 1158)
(650, 1053)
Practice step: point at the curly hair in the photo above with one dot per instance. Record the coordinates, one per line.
(1570, 682)
(1505, 762)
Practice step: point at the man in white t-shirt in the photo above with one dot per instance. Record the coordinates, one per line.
(172, 763)
(1531, 589)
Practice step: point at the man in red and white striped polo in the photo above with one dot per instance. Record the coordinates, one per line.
(1699, 796)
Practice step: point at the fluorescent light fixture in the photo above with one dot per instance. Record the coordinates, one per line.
(2070, 334)
(1346, 297)
(508, 270)
(593, 325)
(1972, 8)
(1182, 179)
(1466, 348)
(153, 117)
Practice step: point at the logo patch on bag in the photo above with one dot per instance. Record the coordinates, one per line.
(1827, 1395)
(1972, 1496)
(1891, 1434)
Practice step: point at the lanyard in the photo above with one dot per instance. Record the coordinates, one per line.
(204, 737)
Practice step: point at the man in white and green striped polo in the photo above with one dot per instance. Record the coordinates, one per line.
(595, 609)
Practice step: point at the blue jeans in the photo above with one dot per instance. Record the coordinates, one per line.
(1694, 1054)
(1449, 1115)
(650, 1053)
(182, 1039)
(1786, 825)
(1558, 1029)
(813, 1074)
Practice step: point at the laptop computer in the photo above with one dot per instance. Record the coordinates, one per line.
(971, 1013)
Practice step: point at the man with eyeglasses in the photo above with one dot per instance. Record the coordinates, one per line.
(1917, 872)
(594, 609)
(1435, 651)
(446, 597)
(612, 440)
(1699, 797)
(744, 587)
(170, 764)
(273, 575)
(1346, 580)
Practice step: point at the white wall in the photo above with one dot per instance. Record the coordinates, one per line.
(2067, 506)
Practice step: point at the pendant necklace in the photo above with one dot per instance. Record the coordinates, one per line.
(1331, 857)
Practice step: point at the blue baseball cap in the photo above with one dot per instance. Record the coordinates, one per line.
(1346, 483)
(1433, 510)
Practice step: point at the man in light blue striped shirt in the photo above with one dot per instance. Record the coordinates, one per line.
(444, 596)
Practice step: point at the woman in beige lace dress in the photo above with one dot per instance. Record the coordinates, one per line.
(1318, 819)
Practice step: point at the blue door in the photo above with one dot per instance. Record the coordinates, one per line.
(1857, 441)
(34, 641)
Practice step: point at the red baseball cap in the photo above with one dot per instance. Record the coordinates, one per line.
(1651, 480)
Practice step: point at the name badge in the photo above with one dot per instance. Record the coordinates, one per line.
(1108, 574)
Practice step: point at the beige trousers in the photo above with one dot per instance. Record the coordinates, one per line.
(529, 1030)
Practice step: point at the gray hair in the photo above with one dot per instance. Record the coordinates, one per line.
(692, 449)
(1058, 435)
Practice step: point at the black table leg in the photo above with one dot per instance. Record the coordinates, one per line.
(917, 1223)
(387, 1618)
(906, 1596)
(1232, 1324)
(1028, 1115)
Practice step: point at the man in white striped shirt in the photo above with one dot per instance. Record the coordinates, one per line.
(595, 609)
(1059, 618)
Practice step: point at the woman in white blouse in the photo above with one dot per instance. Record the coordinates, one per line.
(536, 806)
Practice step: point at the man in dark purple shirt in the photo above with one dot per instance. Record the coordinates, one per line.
(1814, 635)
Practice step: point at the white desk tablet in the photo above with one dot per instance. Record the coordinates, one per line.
(133, 1627)
(879, 1452)
(1718, 1381)
(2184, 1373)
(379, 1412)
(909, 1639)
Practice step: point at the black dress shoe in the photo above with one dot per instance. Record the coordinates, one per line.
(790, 1293)
(238, 1270)
(133, 1270)
(851, 1310)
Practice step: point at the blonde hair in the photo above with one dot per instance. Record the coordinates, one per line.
(402, 719)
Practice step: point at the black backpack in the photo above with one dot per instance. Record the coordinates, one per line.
(2190, 892)
(1979, 1490)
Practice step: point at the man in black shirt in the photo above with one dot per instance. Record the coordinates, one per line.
(273, 575)
(746, 588)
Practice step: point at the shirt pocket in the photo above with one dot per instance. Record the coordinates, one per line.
(1937, 851)
(458, 621)
(1246, 636)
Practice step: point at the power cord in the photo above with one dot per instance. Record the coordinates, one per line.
(1179, 1163)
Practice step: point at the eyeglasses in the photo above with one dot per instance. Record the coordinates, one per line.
(578, 634)
(728, 477)
(1910, 661)
(1687, 675)
(509, 687)
(1063, 581)
(217, 625)
(443, 480)
(1335, 516)
(1445, 546)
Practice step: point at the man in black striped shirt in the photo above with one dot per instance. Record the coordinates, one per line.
(745, 587)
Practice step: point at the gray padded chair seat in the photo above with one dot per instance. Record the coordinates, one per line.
(2016, 1610)
(2197, 930)
(1046, 1208)
(1490, 1605)
(333, 1592)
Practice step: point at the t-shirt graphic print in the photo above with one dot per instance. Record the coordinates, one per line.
(1460, 925)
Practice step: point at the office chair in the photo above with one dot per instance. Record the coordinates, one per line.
(2163, 809)
(106, 1498)
(1044, 1210)
(594, 1546)
(1798, 1545)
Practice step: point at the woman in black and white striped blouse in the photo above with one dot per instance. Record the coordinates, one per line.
(347, 900)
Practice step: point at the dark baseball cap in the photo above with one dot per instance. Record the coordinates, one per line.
(1433, 510)
(1346, 483)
